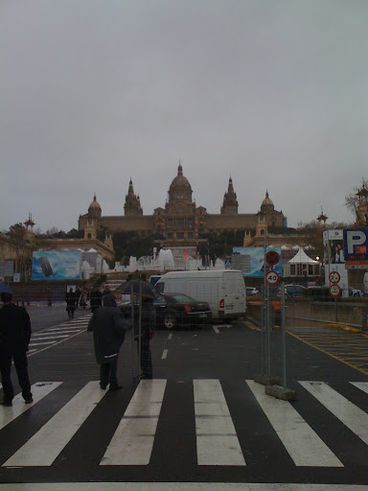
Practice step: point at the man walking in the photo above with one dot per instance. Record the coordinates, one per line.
(15, 333)
(71, 301)
(108, 328)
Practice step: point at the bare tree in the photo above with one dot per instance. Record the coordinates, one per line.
(353, 199)
(23, 243)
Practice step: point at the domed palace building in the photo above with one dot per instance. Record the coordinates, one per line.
(181, 223)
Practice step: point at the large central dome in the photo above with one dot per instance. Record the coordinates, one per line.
(180, 189)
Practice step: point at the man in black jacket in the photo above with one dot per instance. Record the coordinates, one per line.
(15, 333)
(108, 328)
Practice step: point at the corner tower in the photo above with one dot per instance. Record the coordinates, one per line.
(230, 203)
(132, 205)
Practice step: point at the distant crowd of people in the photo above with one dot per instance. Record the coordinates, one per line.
(109, 324)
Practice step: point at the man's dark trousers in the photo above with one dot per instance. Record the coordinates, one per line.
(20, 363)
(108, 373)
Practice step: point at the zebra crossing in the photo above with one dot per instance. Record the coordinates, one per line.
(217, 439)
(45, 339)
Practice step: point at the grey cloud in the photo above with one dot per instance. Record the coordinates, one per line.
(93, 93)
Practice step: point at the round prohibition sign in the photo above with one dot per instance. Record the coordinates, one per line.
(272, 258)
(335, 290)
(334, 277)
(272, 277)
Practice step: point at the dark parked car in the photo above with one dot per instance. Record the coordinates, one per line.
(295, 291)
(179, 310)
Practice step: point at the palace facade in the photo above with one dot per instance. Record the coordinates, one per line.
(181, 222)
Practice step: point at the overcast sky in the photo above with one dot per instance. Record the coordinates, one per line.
(95, 92)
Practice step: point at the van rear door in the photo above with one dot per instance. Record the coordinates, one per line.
(234, 291)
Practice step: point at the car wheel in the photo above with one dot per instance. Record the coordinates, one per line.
(169, 321)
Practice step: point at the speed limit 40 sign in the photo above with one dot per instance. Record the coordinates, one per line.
(272, 277)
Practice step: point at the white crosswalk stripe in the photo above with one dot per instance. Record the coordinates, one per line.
(133, 440)
(217, 443)
(352, 416)
(39, 391)
(43, 448)
(217, 440)
(361, 385)
(302, 443)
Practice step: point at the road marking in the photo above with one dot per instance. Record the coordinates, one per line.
(43, 447)
(164, 354)
(302, 443)
(361, 385)
(36, 337)
(52, 345)
(328, 353)
(177, 486)
(132, 442)
(348, 413)
(42, 343)
(216, 329)
(217, 443)
(170, 335)
(61, 329)
(39, 391)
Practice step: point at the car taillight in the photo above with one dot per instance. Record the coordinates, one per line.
(222, 304)
(187, 307)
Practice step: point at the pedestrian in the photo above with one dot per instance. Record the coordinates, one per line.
(95, 299)
(145, 315)
(15, 334)
(70, 299)
(108, 327)
(49, 297)
(78, 292)
(83, 299)
(106, 291)
(148, 322)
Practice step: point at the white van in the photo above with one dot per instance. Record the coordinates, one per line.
(223, 289)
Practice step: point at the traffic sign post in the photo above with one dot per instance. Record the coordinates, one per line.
(277, 390)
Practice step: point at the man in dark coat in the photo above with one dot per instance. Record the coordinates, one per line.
(95, 299)
(71, 302)
(15, 334)
(108, 328)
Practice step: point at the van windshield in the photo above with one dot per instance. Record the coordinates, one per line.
(159, 287)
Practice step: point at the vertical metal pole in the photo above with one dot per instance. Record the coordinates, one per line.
(336, 316)
(132, 338)
(268, 330)
(283, 335)
(140, 329)
(264, 310)
(263, 352)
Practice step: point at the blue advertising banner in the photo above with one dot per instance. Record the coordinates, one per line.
(56, 265)
(356, 244)
(256, 259)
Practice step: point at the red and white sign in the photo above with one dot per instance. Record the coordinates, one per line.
(334, 277)
(272, 258)
(335, 290)
(272, 277)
